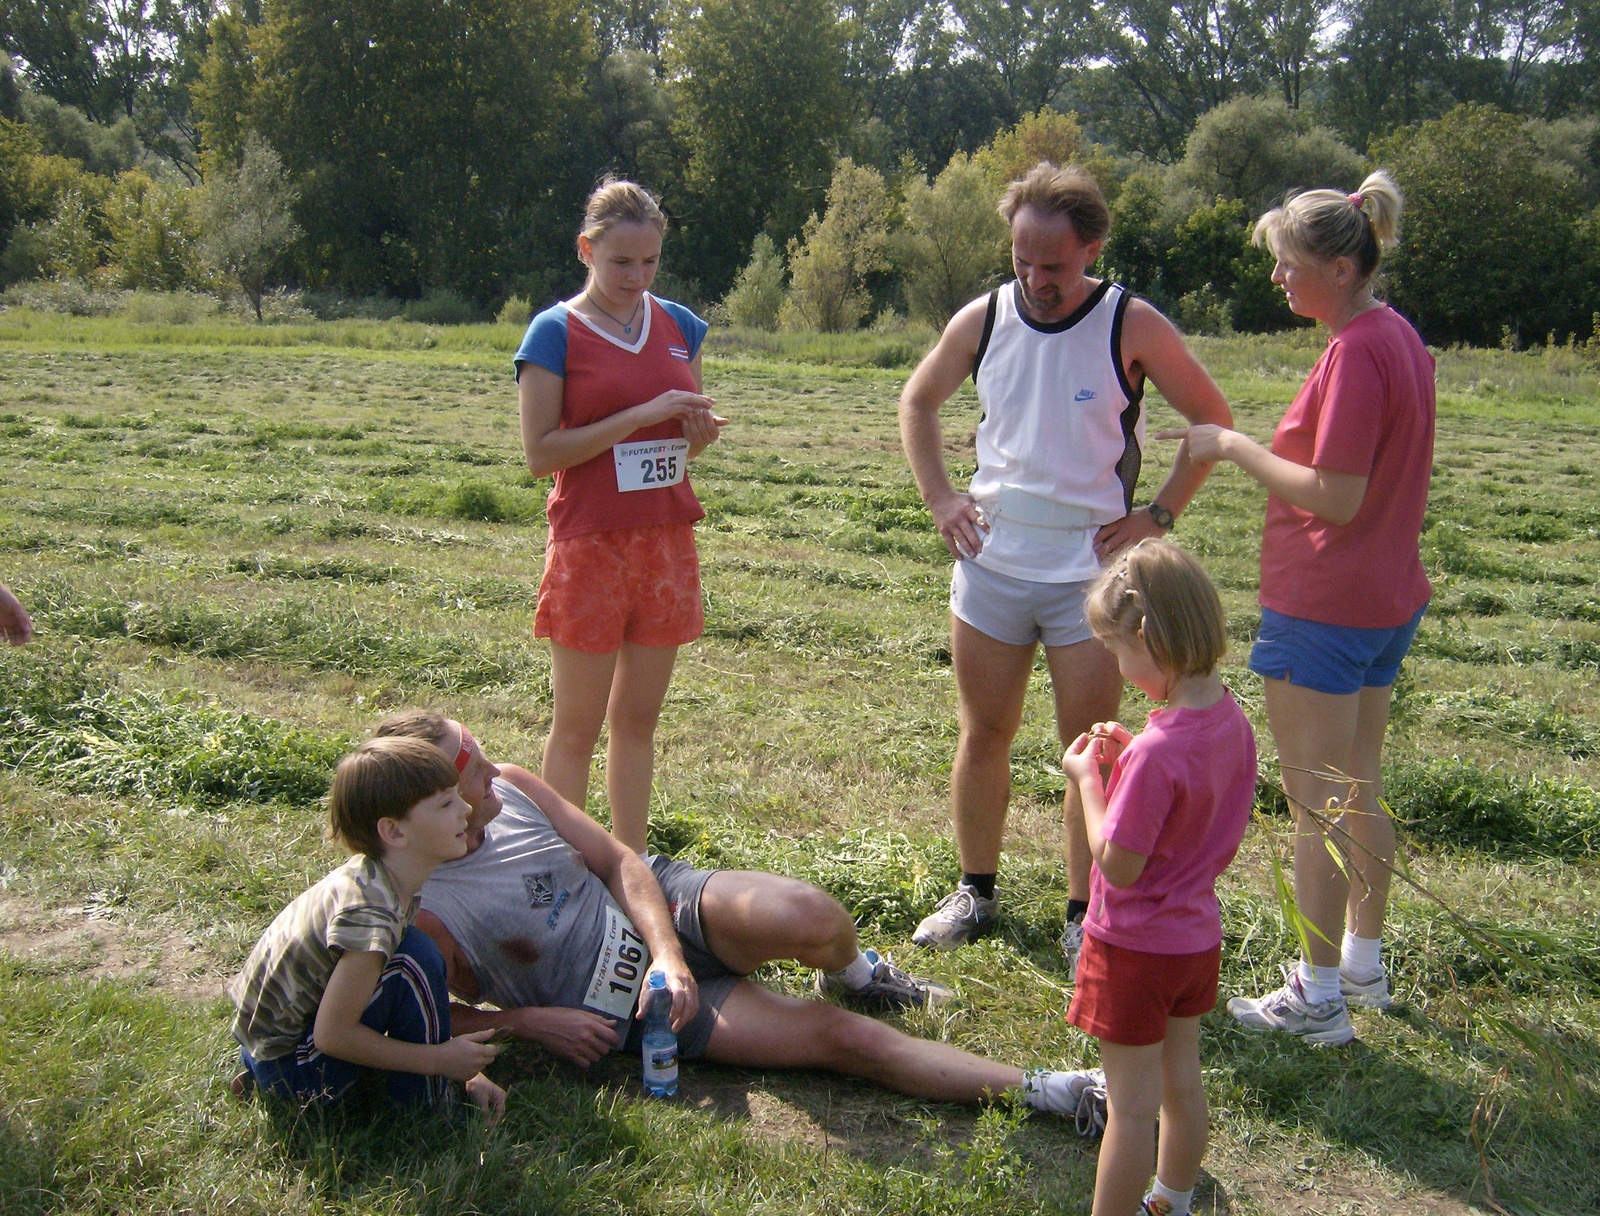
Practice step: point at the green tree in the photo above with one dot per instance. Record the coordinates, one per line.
(1255, 148)
(1047, 135)
(761, 103)
(154, 233)
(72, 238)
(831, 259)
(436, 145)
(1135, 249)
(249, 221)
(1169, 61)
(1029, 46)
(222, 92)
(953, 245)
(1489, 232)
(757, 293)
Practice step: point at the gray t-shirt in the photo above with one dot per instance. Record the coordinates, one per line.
(537, 927)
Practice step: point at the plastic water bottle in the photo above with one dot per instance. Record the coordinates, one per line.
(660, 1043)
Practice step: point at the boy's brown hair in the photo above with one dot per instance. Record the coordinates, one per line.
(1158, 588)
(383, 779)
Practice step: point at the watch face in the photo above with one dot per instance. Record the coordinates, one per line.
(1161, 515)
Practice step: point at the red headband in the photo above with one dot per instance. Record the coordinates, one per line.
(464, 756)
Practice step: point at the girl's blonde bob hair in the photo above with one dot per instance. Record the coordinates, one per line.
(1320, 225)
(614, 202)
(1158, 593)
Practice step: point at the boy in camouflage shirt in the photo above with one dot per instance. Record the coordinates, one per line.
(341, 983)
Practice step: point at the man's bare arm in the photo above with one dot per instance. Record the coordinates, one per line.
(1153, 349)
(934, 382)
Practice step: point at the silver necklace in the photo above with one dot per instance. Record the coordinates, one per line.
(627, 326)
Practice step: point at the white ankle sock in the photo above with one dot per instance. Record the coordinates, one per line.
(1179, 1200)
(858, 974)
(1360, 955)
(1320, 983)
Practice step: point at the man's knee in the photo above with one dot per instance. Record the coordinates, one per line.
(851, 1042)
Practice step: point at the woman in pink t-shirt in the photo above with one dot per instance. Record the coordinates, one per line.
(1165, 826)
(1342, 585)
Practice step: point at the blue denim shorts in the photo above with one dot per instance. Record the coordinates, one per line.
(1335, 659)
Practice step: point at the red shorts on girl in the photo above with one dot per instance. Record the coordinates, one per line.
(639, 585)
(1126, 996)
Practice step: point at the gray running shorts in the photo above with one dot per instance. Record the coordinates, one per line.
(1019, 612)
(682, 884)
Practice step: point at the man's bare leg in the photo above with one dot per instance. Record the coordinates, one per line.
(756, 1028)
(1088, 689)
(992, 683)
(750, 917)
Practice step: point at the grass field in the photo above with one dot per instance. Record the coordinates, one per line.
(243, 544)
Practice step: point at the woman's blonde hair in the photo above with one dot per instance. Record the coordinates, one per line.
(1325, 224)
(1157, 590)
(614, 202)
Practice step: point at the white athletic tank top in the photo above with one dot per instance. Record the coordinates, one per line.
(1061, 438)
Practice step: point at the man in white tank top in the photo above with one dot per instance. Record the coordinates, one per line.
(1060, 361)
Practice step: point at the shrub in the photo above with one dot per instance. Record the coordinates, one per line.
(442, 307)
(757, 293)
(515, 311)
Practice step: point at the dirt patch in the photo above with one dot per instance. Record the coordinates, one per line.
(85, 942)
(1291, 1186)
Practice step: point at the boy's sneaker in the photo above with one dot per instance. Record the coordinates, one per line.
(1071, 943)
(1370, 993)
(1287, 1009)
(957, 919)
(889, 987)
(1082, 1095)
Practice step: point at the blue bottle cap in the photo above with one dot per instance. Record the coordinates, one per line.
(657, 979)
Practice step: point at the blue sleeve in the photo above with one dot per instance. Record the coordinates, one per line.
(694, 329)
(545, 343)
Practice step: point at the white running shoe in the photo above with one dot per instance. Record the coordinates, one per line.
(1071, 943)
(1286, 1009)
(957, 919)
(1370, 993)
(1082, 1095)
(889, 988)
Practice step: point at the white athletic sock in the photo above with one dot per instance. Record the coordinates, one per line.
(1180, 1200)
(1319, 983)
(1359, 955)
(857, 975)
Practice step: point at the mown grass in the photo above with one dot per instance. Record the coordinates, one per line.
(243, 543)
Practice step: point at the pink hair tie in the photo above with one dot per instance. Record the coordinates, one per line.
(1356, 200)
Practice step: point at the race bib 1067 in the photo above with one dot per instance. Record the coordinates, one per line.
(619, 968)
(650, 464)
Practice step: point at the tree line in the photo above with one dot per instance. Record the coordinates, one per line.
(824, 162)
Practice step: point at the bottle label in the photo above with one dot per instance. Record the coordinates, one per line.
(619, 968)
(661, 1064)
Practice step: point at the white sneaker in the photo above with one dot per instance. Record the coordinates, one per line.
(1071, 943)
(1286, 1009)
(957, 919)
(889, 988)
(1370, 993)
(1082, 1095)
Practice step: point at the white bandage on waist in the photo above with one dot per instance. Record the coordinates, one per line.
(1040, 520)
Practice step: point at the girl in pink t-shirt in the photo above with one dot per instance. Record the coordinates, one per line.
(1342, 588)
(1161, 830)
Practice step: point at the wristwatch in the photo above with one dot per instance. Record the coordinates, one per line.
(1163, 517)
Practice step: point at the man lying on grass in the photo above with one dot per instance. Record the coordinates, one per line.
(556, 922)
(342, 986)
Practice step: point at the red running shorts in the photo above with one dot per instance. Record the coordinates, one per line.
(639, 585)
(1126, 996)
